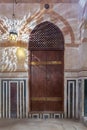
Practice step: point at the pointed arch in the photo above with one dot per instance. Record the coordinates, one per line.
(46, 36)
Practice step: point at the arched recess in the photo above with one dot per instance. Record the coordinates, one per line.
(46, 68)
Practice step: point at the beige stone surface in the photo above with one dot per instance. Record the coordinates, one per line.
(84, 55)
(38, 1)
(72, 58)
(39, 124)
(63, 14)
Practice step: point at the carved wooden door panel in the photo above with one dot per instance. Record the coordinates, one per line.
(37, 80)
(46, 80)
(54, 81)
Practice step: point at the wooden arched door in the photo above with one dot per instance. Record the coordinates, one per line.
(46, 68)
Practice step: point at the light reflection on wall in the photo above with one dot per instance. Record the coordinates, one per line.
(23, 31)
(9, 60)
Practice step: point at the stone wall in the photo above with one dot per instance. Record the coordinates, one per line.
(73, 27)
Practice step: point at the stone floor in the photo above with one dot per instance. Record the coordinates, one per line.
(41, 124)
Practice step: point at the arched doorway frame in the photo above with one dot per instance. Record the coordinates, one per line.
(34, 45)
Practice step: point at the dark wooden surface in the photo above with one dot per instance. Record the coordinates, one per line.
(46, 81)
(46, 36)
(13, 99)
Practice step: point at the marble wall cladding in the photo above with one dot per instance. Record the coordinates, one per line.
(64, 15)
(84, 54)
(71, 12)
(78, 87)
(73, 96)
(14, 75)
(26, 9)
(76, 61)
(83, 20)
(30, 17)
(83, 33)
(71, 15)
(72, 59)
(13, 98)
(85, 121)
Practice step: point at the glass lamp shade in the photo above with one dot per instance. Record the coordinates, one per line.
(13, 35)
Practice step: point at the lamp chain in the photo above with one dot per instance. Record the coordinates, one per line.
(13, 15)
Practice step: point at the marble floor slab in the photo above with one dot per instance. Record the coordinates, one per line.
(40, 124)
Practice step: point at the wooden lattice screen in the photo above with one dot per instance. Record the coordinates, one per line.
(46, 36)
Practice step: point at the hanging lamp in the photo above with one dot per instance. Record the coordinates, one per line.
(13, 32)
